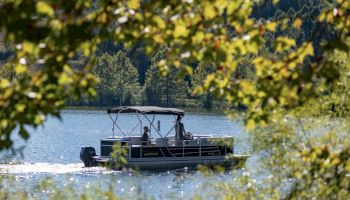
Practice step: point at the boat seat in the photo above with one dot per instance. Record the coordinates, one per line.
(136, 140)
(162, 142)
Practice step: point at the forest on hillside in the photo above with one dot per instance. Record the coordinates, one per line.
(130, 77)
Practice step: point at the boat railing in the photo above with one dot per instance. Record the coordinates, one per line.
(199, 146)
(198, 150)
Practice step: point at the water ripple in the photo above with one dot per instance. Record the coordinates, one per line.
(51, 168)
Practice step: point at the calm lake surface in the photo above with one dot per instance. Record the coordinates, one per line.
(53, 151)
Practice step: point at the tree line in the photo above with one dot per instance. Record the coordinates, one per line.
(130, 77)
(121, 84)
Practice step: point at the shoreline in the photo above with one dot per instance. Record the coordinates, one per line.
(187, 110)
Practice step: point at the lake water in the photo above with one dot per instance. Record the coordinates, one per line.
(53, 151)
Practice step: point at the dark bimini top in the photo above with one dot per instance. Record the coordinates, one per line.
(146, 110)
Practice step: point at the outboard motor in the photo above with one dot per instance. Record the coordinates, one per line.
(87, 156)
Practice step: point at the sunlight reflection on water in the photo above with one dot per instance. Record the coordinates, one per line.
(50, 168)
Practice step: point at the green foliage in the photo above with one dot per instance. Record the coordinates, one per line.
(7, 72)
(294, 79)
(307, 145)
(59, 31)
(202, 70)
(47, 40)
(118, 156)
(326, 176)
(118, 80)
(140, 60)
(164, 90)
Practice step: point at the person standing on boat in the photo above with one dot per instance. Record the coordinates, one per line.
(179, 131)
(145, 137)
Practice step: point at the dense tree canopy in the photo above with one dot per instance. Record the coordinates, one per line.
(118, 79)
(203, 70)
(163, 90)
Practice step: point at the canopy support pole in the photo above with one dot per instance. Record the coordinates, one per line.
(169, 131)
(150, 127)
(140, 122)
(151, 124)
(115, 124)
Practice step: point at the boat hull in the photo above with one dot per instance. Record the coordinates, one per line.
(236, 161)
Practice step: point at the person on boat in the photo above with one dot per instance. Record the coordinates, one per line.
(145, 136)
(179, 131)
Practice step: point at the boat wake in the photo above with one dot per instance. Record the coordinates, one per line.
(51, 168)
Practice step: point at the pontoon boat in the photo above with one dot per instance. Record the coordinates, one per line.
(176, 149)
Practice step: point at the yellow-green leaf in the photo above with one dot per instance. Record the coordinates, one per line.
(4, 83)
(44, 8)
(297, 23)
(250, 124)
(64, 79)
(28, 46)
(134, 4)
(271, 26)
(159, 21)
(39, 119)
(20, 107)
(180, 30)
(209, 11)
(309, 49)
(20, 69)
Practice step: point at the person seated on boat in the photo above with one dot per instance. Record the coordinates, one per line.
(179, 131)
(145, 136)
